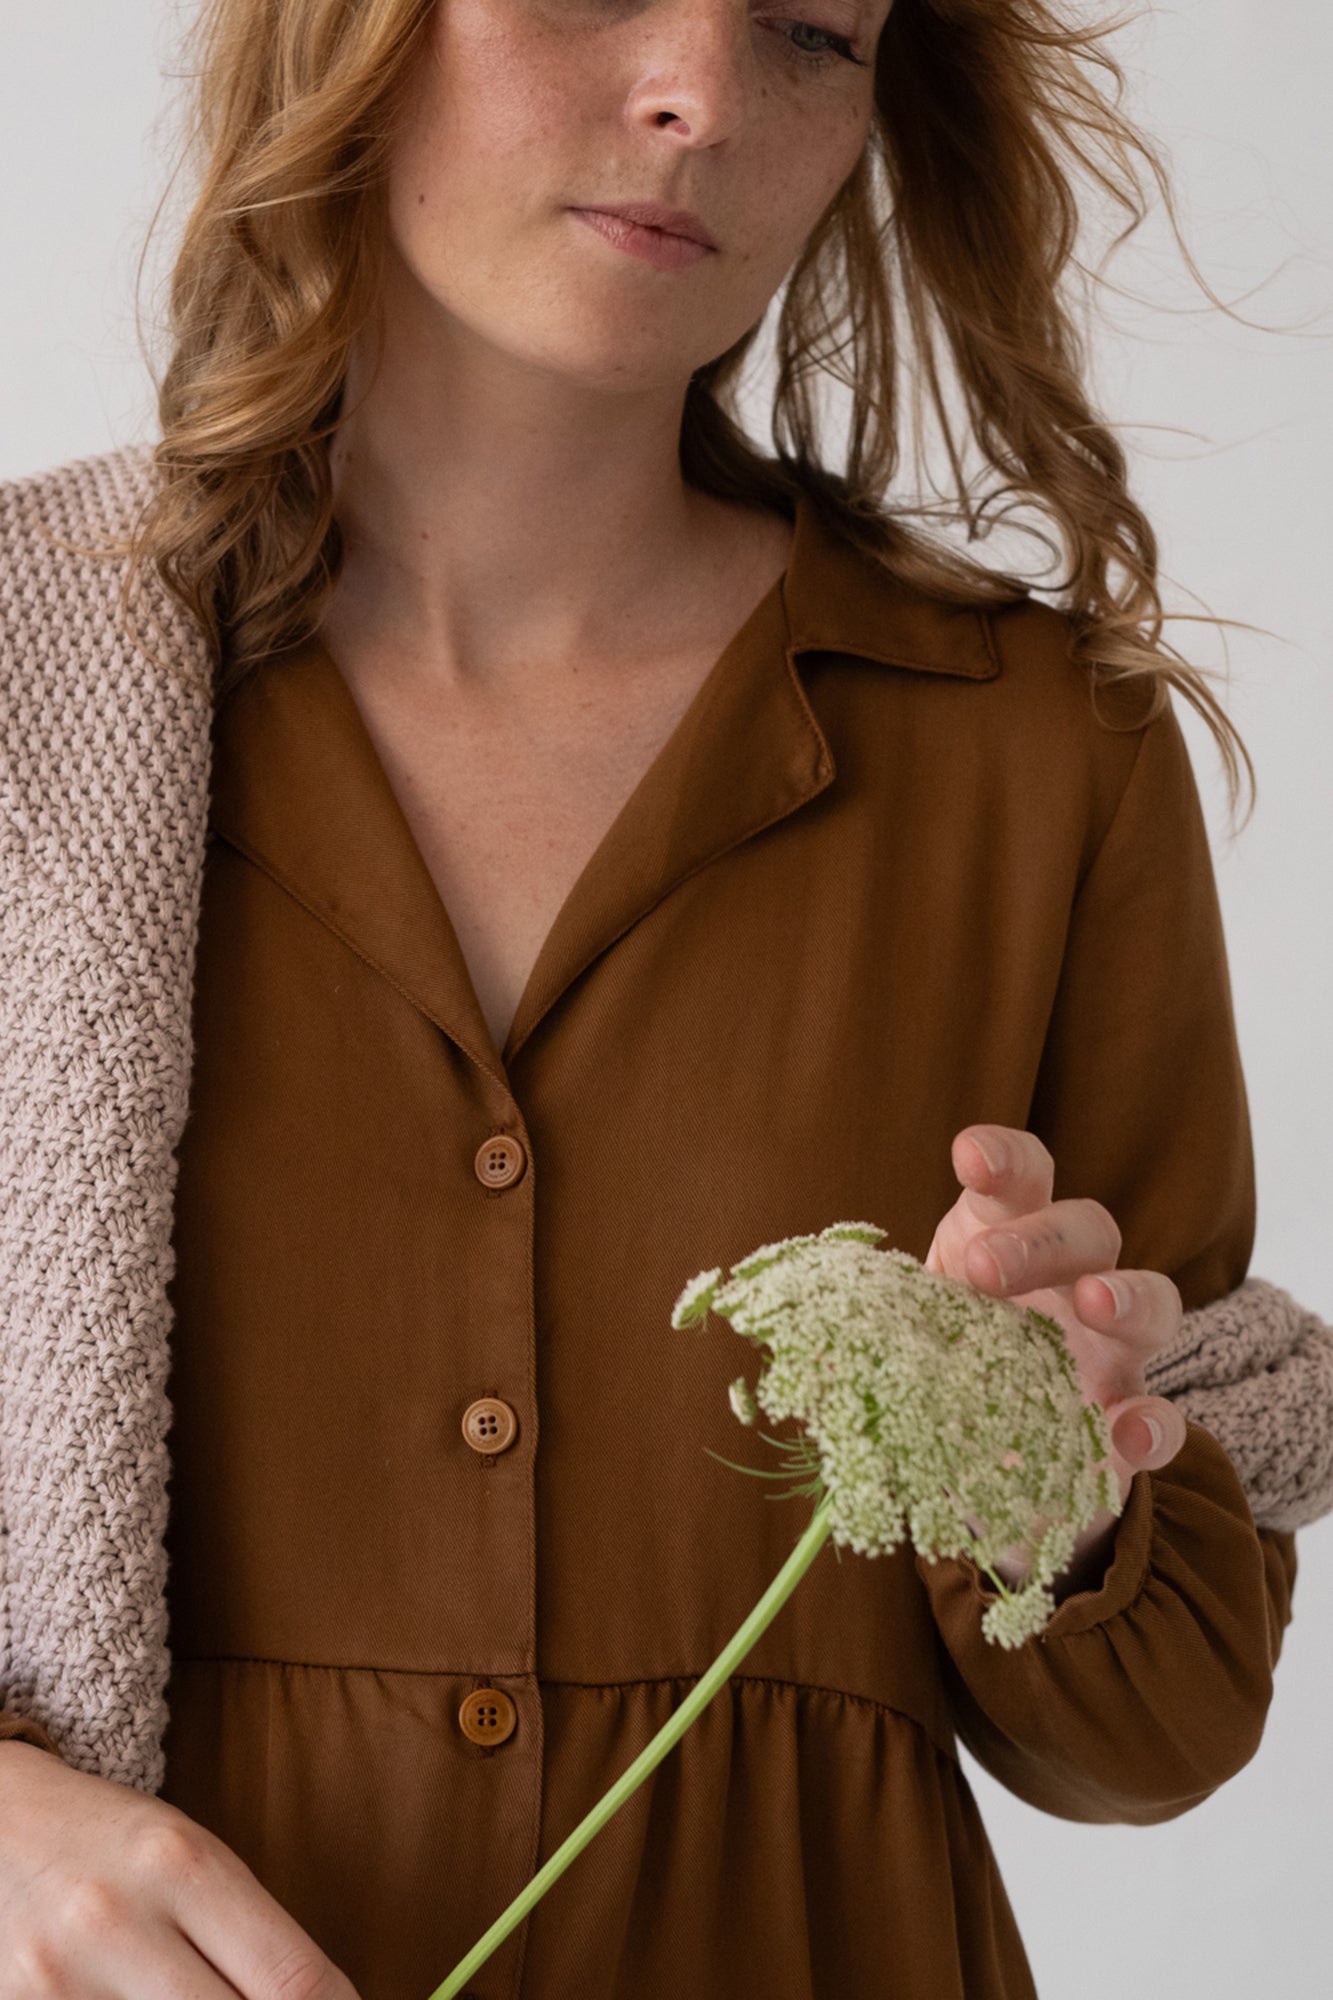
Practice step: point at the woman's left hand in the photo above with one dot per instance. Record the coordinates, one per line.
(1059, 1256)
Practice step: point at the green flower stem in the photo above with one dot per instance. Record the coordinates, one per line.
(667, 1736)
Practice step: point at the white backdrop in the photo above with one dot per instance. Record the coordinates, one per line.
(1230, 433)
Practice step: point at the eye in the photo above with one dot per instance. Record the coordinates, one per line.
(840, 49)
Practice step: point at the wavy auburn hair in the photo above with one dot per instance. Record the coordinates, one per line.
(956, 230)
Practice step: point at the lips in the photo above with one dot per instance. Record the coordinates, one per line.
(653, 215)
(648, 245)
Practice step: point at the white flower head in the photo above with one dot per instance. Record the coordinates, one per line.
(925, 1402)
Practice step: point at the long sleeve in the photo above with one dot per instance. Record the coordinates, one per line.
(1144, 1695)
(1139, 1699)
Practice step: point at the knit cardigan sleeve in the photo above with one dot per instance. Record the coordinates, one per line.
(104, 757)
(1255, 1368)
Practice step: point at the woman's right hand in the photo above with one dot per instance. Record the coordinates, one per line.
(107, 1893)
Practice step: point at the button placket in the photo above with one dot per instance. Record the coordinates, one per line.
(488, 1716)
(490, 1425)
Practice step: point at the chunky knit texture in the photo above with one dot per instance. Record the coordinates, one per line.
(104, 774)
(103, 815)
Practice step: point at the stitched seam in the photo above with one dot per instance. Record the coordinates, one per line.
(472, 1673)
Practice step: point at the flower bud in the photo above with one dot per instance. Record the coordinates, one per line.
(742, 1402)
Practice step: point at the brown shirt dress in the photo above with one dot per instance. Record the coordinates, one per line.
(446, 1546)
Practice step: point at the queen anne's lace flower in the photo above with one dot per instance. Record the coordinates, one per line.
(925, 1404)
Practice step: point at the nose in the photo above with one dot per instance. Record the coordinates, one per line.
(698, 70)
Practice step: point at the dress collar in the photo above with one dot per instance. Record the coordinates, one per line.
(298, 785)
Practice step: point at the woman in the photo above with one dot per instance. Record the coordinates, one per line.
(621, 848)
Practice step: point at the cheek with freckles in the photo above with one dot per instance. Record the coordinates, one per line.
(516, 112)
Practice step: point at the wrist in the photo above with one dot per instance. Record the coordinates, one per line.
(1091, 1560)
(1094, 1552)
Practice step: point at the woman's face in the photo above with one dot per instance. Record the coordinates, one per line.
(523, 110)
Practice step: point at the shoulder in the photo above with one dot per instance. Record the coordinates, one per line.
(1086, 727)
(82, 497)
(1035, 644)
(64, 564)
(105, 695)
(63, 553)
(65, 557)
(1021, 651)
(1044, 738)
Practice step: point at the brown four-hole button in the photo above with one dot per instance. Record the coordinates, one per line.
(490, 1424)
(500, 1160)
(487, 1716)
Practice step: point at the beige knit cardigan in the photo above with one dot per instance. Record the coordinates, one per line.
(104, 776)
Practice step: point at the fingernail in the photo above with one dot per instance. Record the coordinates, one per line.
(1119, 1295)
(1010, 1253)
(1133, 1447)
(992, 1151)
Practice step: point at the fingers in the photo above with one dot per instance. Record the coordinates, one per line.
(1053, 1246)
(1006, 1165)
(1153, 1309)
(230, 1919)
(1029, 1243)
(1147, 1431)
(1075, 1242)
(1008, 1175)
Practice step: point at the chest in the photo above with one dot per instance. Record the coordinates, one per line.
(508, 808)
(508, 796)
